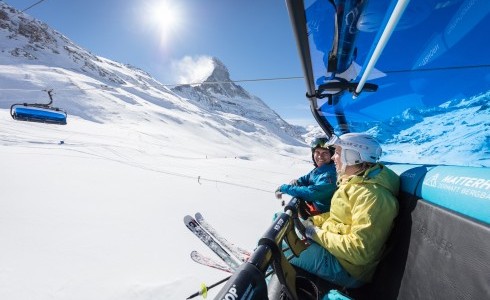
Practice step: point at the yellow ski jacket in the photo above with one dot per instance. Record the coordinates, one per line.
(360, 219)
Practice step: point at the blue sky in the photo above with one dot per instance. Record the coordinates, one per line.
(252, 38)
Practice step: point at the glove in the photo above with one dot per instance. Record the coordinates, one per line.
(278, 193)
(294, 182)
(310, 231)
(301, 225)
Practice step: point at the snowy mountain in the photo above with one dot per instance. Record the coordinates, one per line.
(93, 209)
(35, 58)
(218, 93)
(468, 144)
(459, 133)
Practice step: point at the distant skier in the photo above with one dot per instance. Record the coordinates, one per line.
(317, 187)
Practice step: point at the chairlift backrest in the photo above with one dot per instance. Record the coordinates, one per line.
(441, 238)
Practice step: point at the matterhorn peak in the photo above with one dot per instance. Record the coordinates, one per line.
(213, 77)
(220, 72)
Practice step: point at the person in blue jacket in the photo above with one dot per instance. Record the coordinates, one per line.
(317, 187)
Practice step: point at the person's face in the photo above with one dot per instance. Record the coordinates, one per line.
(336, 158)
(321, 156)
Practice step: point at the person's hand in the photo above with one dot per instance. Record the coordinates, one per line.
(301, 225)
(278, 193)
(294, 182)
(310, 231)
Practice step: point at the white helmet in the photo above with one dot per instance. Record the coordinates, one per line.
(358, 148)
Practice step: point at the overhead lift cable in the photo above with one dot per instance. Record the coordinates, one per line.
(38, 2)
(263, 79)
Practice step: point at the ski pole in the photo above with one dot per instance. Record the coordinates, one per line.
(204, 289)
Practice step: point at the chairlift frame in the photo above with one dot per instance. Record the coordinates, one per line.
(39, 112)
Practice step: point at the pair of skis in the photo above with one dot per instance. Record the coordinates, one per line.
(231, 255)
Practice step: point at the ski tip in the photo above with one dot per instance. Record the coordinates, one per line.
(199, 215)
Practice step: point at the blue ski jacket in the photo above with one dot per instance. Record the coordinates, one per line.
(317, 187)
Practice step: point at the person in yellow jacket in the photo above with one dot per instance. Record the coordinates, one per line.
(348, 241)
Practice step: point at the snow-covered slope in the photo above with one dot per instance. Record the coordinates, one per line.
(456, 132)
(93, 209)
(219, 94)
(99, 216)
(35, 57)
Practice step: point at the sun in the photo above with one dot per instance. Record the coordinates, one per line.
(165, 17)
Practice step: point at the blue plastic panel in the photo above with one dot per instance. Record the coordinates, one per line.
(465, 190)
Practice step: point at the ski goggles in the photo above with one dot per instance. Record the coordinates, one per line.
(324, 142)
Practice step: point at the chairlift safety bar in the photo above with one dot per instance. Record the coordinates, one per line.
(388, 30)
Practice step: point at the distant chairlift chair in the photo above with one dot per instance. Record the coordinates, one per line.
(37, 112)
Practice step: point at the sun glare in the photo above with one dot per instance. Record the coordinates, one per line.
(165, 17)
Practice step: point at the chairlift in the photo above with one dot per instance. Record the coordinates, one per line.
(38, 112)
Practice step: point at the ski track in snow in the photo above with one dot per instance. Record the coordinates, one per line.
(100, 216)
